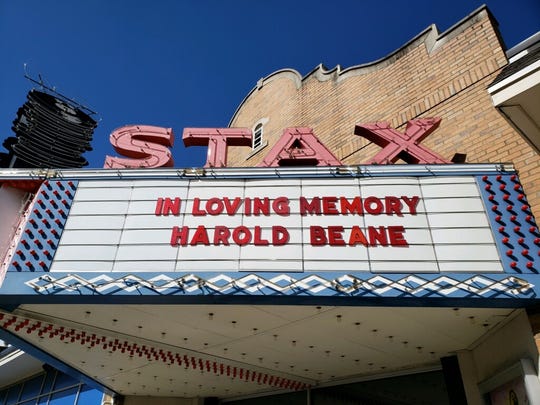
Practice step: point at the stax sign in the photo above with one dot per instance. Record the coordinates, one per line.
(148, 146)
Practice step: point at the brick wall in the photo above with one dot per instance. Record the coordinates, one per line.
(434, 75)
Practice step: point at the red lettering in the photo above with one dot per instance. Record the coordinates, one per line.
(377, 235)
(214, 206)
(395, 234)
(257, 239)
(368, 205)
(241, 235)
(196, 210)
(231, 207)
(280, 235)
(357, 236)
(179, 237)
(309, 208)
(221, 235)
(411, 203)
(159, 206)
(166, 206)
(354, 207)
(329, 206)
(334, 236)
(281, 206)
(317, 235)
(247, 206)
(171, 207)
(200, 236)
(261, 206)
(393, 205)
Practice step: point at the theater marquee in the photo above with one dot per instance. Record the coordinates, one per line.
(352, 222)
(379, 224)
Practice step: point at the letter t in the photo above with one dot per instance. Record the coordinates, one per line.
(217, 140)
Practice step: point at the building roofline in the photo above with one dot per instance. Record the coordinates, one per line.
(429, 36)
(526, 44)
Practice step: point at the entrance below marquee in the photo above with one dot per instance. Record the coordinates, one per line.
(426, 387)
(237, 351)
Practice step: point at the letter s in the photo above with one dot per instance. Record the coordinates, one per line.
(144, 145)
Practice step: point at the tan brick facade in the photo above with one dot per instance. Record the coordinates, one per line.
(434, 75)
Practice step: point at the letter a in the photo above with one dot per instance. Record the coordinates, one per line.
(299, 147)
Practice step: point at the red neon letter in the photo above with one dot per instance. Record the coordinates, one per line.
(179, 236)
(221, 235)
(398, 145)
(261, 206)
(217, 140)
(166, 206)
(373, 210)
(357, 236)
(354, 207)
(196, 210)
(395, 234)
(200, 236)
(411, 203)
(280, 235)
(313, 207)
(329, 206)
(334, 236)
(393, 206)
(144, 145)
(281, 206)
(377, 235)
(241, 235)
(257, 237)
(317, 235)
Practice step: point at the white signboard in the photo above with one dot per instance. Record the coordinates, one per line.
(393, 224)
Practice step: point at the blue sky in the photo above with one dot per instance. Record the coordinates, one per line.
(190, 63)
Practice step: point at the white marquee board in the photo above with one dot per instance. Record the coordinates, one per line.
(113, 227)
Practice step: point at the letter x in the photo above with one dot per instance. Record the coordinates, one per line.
(397, 145)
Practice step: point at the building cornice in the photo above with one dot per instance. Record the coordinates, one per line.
(430, 37)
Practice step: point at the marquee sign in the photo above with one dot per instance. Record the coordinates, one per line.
(293, 225)
(454, 222)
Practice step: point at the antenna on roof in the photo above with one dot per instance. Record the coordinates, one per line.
(53, 90)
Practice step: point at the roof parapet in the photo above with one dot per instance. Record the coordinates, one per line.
(430, 36)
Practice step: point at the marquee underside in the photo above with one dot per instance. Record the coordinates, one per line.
(238, 350)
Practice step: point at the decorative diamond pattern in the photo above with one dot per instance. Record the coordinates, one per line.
(284, 284)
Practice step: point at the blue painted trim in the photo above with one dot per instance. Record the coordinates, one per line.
(47, 358)
(328, 288)
(39, 239)
(512, 222)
